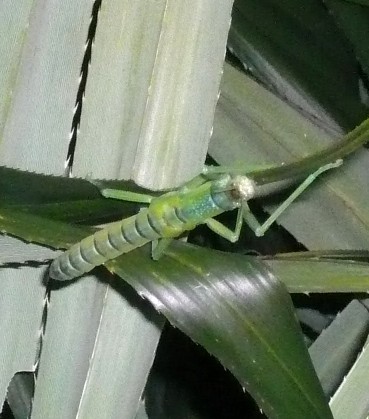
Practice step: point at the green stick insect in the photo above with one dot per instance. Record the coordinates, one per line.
(217, 190)
(170, 215)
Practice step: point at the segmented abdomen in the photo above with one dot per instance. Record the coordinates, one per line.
(166, 217)
(117, 238)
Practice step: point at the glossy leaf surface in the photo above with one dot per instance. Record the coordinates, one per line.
(230, 304)
(240, 313)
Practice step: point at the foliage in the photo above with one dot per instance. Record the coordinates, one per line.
(235, 305)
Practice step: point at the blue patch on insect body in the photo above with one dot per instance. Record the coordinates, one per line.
(200, 210)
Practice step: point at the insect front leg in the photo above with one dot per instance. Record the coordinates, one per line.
(260, 229)
(122, 195)
(126, 195)
(145, 198)
(225, 232)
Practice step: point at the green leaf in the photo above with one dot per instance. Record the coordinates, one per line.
(296, 50)
(230, 304)
(63, 199)
(321, 275)
(254, 126)
(40, 230)
(240, 313)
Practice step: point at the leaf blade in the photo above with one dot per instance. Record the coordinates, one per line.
(210, 306)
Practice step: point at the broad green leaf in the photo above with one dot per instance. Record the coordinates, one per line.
(195, 264)
(60, 198)
(194, 289)
(241, 314)
(40, 230)
(23, 187)
(20, 187)
(296, 50)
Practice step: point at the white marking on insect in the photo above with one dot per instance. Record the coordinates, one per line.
(245, 187)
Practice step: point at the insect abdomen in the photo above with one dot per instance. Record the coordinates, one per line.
(166, 217)
(114, 240)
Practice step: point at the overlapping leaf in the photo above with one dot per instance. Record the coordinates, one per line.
(240, 312)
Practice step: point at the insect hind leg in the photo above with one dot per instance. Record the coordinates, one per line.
(159, 246)
(225, 232)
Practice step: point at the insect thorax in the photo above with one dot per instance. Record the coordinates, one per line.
(183, 210)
